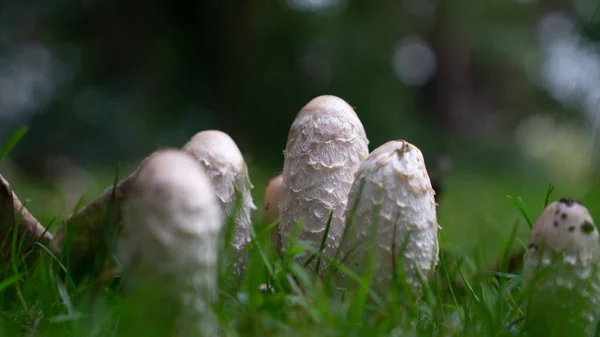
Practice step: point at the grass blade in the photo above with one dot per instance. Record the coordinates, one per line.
(548, 193)
(9, 281)
(507, 249)
(521, 206)
(324, 240)
(10, 143)
(449, 281)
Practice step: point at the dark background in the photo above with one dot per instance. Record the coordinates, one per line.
(107, 81)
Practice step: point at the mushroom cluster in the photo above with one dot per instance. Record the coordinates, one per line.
(328, 175)
(170, 211)
(83, 232)
(562, 273)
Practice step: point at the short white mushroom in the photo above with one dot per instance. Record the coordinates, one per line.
(171, 220)
(561, 269)
(325, 146)
(271, 208)
(224, 163)
(393, 182)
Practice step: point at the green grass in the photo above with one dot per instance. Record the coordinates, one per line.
(479, 223)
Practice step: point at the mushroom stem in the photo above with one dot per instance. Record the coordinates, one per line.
(29, 229)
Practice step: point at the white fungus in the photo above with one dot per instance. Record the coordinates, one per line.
(393, 192)
(271, 208)
(224, 163)
(325, 146)
(171, 220)
(561, 269)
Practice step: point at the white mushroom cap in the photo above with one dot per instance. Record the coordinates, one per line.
(171, 221)
(325, 146)
(395, 183)
(217, 150)
(271, 208)
(564, 226)
(171, 199)
(329, 106)
(225, 165)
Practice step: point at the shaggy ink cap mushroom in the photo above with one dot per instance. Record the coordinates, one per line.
(561, 266)
(171, 220)
(564, 225)
(325, 146)
(221, 158)
(393, 181)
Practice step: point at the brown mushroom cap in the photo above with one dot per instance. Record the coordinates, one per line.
(271, 208)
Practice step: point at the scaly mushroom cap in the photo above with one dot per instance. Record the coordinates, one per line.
(325, 146)
(564, 225)
(271, 205)
(394, 183)
(561, 266)
(225, 165)
(171, 221)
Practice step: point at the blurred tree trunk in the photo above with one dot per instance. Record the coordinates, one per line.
(453, 89)
(232, 68)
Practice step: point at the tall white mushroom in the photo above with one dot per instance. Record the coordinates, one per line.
(271, 208)
(171, 220)
(325, 146)
(224, 163)
(561, 269)
(393, 182)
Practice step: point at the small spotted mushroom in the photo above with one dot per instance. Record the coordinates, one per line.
(393, 182)
(325, 146)
(561, 269)
(171, 219)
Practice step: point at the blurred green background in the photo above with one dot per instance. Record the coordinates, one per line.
(509, 89)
